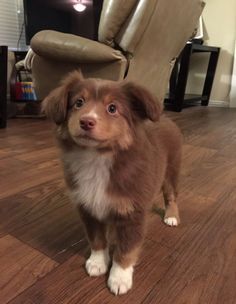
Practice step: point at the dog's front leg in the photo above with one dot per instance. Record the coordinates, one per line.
(98, 262)
(129, 236)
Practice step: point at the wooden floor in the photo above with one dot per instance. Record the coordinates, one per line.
(42, 246)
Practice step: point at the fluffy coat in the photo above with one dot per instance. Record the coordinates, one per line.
(118, 153)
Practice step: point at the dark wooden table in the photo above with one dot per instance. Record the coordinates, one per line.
(177, 99)
(3, 86)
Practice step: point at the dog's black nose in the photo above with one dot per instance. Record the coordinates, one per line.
(87, 123)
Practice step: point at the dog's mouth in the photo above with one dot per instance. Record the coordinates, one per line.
(87, 137)
(87, 140)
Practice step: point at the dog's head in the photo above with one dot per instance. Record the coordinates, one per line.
(100, 113)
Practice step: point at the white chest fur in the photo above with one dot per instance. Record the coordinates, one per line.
(91, 172)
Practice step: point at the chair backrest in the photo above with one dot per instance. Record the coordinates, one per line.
(133, 29)
(123, 22)
(113, 16)
(153, 32)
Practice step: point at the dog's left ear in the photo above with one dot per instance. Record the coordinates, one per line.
(143, 103)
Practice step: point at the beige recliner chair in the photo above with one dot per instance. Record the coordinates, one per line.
(137, 39)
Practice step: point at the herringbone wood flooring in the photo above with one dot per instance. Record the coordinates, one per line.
(42, 245)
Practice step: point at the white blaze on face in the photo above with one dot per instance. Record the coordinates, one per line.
(93, 114)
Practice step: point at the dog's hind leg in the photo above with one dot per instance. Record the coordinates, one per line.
(170, 192)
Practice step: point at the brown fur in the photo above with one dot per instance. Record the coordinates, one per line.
(95, 230)
(144, 146)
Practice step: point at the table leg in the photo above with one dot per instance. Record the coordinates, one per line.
(210, 76)
(182, 77)
(3, 86)
(173, 81)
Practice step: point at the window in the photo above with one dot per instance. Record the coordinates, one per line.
(12, 30)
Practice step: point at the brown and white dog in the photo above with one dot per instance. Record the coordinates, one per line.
(118, 152)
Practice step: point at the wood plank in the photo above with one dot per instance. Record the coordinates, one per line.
(194, 263)
(20, 267)
(211, 177)
(193, 156)
(216, 169)
(11, 164)
(75, 287)
(43, 154)
(26, 179)
(44, 189)
(205, 261)
(192, 209)
(48, 223)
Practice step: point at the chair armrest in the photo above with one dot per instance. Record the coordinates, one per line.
(72, 48)
(29, 59)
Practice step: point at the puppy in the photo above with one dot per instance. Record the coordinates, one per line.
(118, 153)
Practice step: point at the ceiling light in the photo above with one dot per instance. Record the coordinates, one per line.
(79, 7)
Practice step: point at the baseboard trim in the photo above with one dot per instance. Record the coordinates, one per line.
(232, 104)
(218, 103)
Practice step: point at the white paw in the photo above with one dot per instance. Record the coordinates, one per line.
(120, 280)
(98, 262)
(171, 221)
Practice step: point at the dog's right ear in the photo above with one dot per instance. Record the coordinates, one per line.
(55, 105)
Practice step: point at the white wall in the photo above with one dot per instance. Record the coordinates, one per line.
(219, 19)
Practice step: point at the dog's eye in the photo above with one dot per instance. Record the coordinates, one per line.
(79, 102)
(111, 108)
